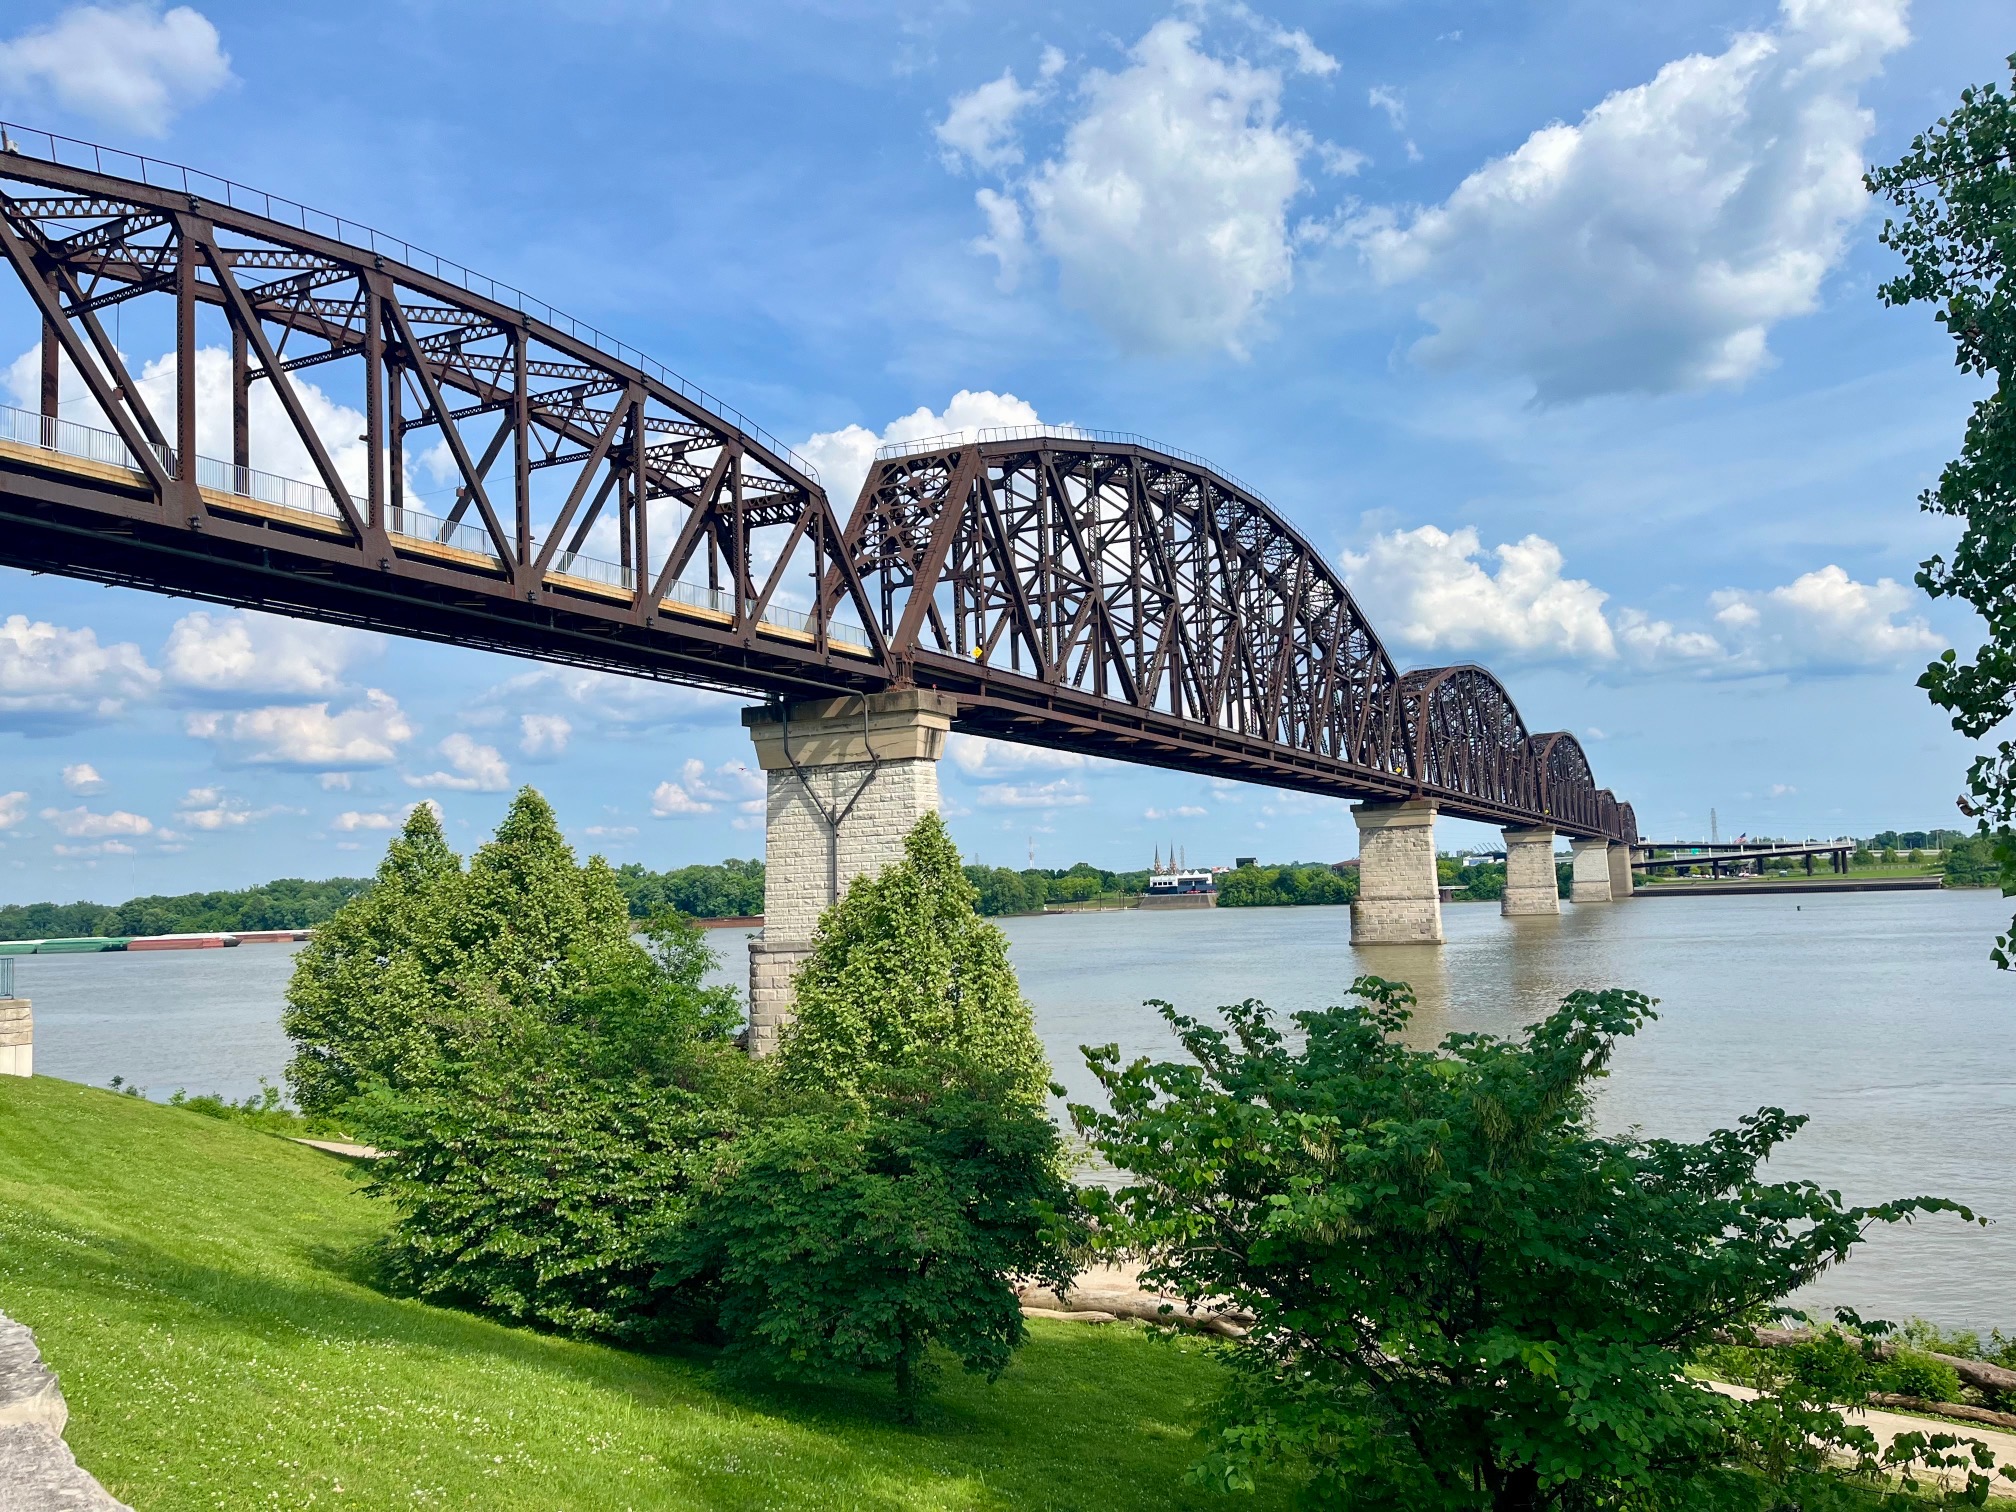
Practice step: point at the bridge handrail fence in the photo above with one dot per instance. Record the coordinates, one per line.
(69, 152)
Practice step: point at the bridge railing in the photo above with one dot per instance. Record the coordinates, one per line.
(28, 141)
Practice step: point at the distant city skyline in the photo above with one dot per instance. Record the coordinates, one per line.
(1554, 327)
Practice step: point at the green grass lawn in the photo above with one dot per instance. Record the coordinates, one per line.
(198, 1288)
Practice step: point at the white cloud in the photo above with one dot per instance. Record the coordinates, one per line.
(1165, 205)
(53, 678)
(1063, 793)
(350, 821)
(844, 457)
(543, 735)
(259, 654)
(335, 782)
(103, 848)
(1653, 245)
(610, 831)
(366, 734)
(472, 767)
(1783, 790)
(81, 824)
(1182, 811)
(210, 808)
(131, 66)
(613, 705)
(82, 777)
(979, 127)
(699, 791)
(1429, 591)
(13, 809)
(1824, 620)
(1425, 588)
(977, 756)
(1385, 97)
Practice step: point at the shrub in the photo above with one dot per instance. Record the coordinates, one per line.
(847, 1239)
(904, 973)
(1465, 1297)
(531, 1171)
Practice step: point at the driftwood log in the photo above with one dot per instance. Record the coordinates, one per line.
(1959, 1410)
(1146, 1306)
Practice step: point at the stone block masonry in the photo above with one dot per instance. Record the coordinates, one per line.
(1530, 884)
(17, 1038)
(1399, 896)
(847, 780)
(1591, 882)
(37, 1471)
(1620, 872)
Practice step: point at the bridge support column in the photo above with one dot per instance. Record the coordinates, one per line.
(1399, 897)
(1530, 884)
(1591, 882)
(17, 1037)
(848, 779)
(1620, 871)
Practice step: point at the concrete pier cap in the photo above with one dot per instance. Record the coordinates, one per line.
(1531, 887)
(847, 779)
(1591, 882)
(1399, 894)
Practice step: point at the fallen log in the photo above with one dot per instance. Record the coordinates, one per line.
(1959, 1410)
(1060, 1315)
(1145, 1306)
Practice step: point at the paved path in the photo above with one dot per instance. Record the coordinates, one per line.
(338, 1147)
(1887, 1425)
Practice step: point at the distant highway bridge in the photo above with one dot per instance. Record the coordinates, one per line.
(1080, 590)
(1684, 855)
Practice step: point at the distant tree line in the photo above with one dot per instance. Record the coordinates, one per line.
(730, 890)
(289, 903)
(1289, 885)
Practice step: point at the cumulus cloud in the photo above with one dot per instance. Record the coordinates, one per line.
(1165, 205)
(543, 735)
(211, 808)
(81, 823)
(1181, 811)
(844, 456)
(1436, 593)
(13, 809)
(1825, 620)
(131, 66)
(53, 678)
(977, 756)
(366, 734)
(1427, 588)
(1062, 793)
(699, 791)
(472, 767)
(82, 777)
(260, 655)
(350, 821)
(1652, 245)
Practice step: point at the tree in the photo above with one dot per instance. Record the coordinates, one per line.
(558, 1137)
(903, 972)
(848, 1238)
(1464, 1296)
(1956, 189)
(364, 1002)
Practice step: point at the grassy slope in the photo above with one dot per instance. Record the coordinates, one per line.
(194, 1284)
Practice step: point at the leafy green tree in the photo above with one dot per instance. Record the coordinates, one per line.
(998, 890)
(1956, 191)
(848, 1239)
(364, 1003)
(903, 973)
(558, 1136)
(1971, 862)
(728, 890)
(1464, 1296)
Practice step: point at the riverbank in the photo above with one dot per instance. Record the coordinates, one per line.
(1730, 888)
(202, 1292)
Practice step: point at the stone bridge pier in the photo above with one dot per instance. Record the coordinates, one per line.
(1399, 894)
(847, 780)
(1530, 884)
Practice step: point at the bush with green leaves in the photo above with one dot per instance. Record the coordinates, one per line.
(1466, 1297)
(909, 1172)
(847, 1237)
(903, 972)
(532, 1169)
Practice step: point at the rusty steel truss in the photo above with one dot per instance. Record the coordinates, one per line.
(1080, 591)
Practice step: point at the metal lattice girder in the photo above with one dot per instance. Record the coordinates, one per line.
(1091, 593)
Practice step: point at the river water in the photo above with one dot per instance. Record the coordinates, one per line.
(1878, 1014)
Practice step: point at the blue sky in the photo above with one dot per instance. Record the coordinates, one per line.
(1554, 324)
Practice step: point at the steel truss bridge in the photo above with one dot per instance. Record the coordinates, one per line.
(1079, 590)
